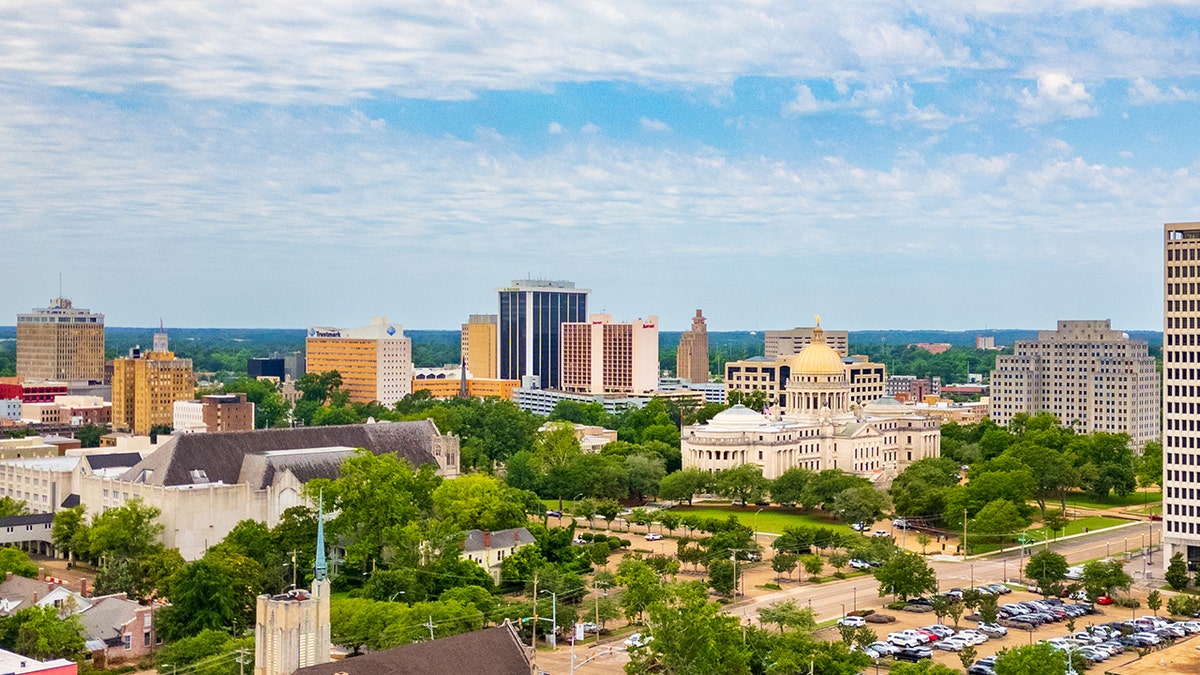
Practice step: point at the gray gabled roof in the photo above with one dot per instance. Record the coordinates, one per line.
(494, 651)
(517, 536)
(112, 460)
(104, 619)
(188, 459)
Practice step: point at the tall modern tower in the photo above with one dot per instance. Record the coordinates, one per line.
(60, 342)
(532, 312)
(1181, 392)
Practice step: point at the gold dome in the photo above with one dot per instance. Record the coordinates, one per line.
(817, 358)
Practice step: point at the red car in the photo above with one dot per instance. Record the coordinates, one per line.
(1104, 600)
(933, 637)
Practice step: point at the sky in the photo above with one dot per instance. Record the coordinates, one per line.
(956, 164)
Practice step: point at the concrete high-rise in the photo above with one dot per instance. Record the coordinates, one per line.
(375, 361)
(479, 339)
(602, 357)
(146, 386)
(1181, 392)
(787, 342)
(691, 357)
(62, 343)
(1091, 377)
(532, 312)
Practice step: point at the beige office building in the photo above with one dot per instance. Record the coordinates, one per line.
(785, 342)
(60, 342)
(375, 361)
(1091, 377)
(691, 357)
(479, 345)
(1181, 393)
(146, 386)
(602, 357)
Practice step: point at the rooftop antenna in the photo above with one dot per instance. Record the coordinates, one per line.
(60, 285)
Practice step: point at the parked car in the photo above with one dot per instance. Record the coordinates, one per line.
(1104, 600)
(992, 629)
(882, 648)
(653, 536)
(858, 564)
(999, 589)
(980, 669)
(953, 644)
(1075, 572)
(881, 533)
(859, 527)
(638, 640)
(914, 654)
(854, 621)
(555, 513)
(900, 523)
(941, 630)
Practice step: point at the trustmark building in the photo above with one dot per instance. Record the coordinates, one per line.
(1181, 392)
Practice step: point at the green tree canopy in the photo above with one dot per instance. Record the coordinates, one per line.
(1048, 569)
(1036, 659)
(691, 635)
(905, 575)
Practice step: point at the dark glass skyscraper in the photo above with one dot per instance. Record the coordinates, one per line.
(531, 313)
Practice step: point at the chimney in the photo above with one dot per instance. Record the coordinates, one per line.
(487, 539)
(35, 597)
(83, 586)
(7, 576)
(516, 536)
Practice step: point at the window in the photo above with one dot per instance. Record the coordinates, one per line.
(128, 641)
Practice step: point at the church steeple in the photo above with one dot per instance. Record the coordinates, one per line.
(322, 570)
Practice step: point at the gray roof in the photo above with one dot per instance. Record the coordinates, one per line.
(112, 460)
(187, 459)
(495, 651)
(260, 470)
(30, 519)
(24, 590)
(518, 536)
(104, 619)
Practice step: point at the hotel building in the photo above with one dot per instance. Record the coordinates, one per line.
(532, 312)
(146, 386)
(60, 342)
(1091, 377)
(375, 361)
(602, 357)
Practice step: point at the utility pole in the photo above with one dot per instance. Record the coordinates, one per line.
(533, 639)
(964, 539)
(241, 661)
(733, 557)
(430, 625)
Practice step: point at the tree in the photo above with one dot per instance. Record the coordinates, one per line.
(586, 508)
(1048, 569)
(955, 612)
(905, 575)
(89, 435)
(691, 635)
(642, 586)
(787, 614)
(69, 532)
(860, 505)
(202, 597)
(920, 490)
(968, 655)
(42, 634)
(721, 577)
(812, 565)
(608, 509)
(1102, 578)
(1150, 465)
(669, 520)
(598, 552)
(683, 485)
(644, 475)
(859, 636)
(478, 502)
(838, 560)
(1154, 601)
(127, 532)
(270, 410)
(1055, 521)
(641, 517)
(743, 483)
(17, 562)
(1036, 659)
(787, 488)
(997, 521)
(1177, 576)
(988, 610)
(784, 563)
(924, 540)
(941, 606)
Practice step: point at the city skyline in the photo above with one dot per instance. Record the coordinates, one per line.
(960, 166)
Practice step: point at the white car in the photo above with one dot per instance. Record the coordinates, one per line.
(1075, 573)
(653, 536)
(638, 640)
(882, 648)
(903, 640)
(854, 621)
(973, 636)
(992, 629)
(952, 644)
(858, 564)
(881, 533)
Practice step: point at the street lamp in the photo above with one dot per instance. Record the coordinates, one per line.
(843, 610)
(854, 589)
(756, 526)
(553, 617)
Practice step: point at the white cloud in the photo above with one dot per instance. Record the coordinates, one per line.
(655, 125)
(554, 128)
(1057, 96)
(1142, 92)
(806, 103)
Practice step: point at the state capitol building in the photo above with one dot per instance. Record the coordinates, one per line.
(815, 426)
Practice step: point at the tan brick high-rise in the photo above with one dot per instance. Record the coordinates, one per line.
(146, 386)
(479, 345)
(691, 358)
(60, 343)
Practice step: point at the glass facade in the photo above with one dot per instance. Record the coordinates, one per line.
(529, 334)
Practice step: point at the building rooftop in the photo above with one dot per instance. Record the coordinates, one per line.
(518, 536)
(495, 651)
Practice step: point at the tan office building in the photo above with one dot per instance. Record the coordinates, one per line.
(60, 342)
(146, 386)
(375, 361)
(602, 357)
(479, 345)
(1181, 393)
(1093, 378)
(691, 358)
(784, 342)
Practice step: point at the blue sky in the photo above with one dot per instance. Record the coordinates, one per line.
(953, 165)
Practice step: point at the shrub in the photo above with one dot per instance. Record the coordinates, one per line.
(615, 542)
(586, 536)
(839, 575)
(624, 543)
(897, 606)
(1127, 603)
(772, 587)
(1183, 605)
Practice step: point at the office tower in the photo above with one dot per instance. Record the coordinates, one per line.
(531, 314)
(146, 386)
(1093, 378)
(273, 368)
(691, 358)
(375, 361)
(1181, 393)
(602, 357)
(60, 342)
(479, 339)
(787, 342)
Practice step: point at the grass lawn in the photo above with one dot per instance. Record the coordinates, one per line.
(1136, 499)
(1092, 523)
(772, 519)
